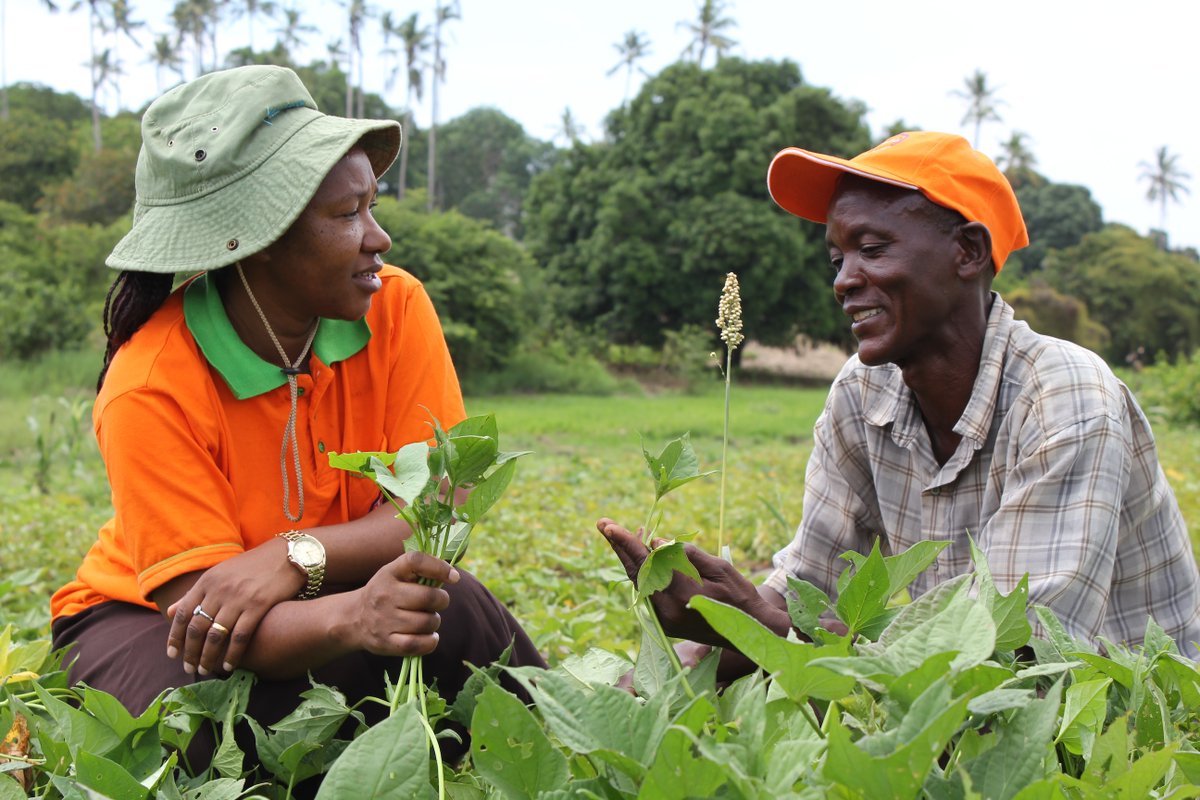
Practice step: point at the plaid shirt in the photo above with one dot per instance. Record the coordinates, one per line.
(1056, 475)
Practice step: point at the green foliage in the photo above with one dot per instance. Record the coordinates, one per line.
(100, 190)
(1055, 314)
(52, 279)
(34, 151)
(1057, 215)
(479, 280)
(485, 164)
(1146, 297)
(638, 232)
(1167, 391)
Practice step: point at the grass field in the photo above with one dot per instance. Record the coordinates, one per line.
(539, 550)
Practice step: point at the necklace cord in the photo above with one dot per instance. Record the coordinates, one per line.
(291, 370)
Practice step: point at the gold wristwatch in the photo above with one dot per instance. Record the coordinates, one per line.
(308, 555)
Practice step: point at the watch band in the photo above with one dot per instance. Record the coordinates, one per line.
(315, 574)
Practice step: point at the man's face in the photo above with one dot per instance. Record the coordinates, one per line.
(896, 264)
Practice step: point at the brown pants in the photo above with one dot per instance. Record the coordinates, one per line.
(121, 649)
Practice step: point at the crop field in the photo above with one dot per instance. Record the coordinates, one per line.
(951, 682)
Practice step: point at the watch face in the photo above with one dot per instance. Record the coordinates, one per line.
(308, 552)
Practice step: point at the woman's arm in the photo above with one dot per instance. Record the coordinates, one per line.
(391, 614)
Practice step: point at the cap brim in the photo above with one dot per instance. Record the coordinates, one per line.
(802, 182)
(249, 214)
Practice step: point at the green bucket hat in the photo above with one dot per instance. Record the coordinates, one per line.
(228, 162)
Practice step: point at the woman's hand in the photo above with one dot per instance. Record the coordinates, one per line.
(397, 616)
(720, 581)
(234, 595)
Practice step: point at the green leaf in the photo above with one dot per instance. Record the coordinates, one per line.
(675, 466)
(409, 474)
(866, 594)
(10, 790)
(360, 462)
(653, 670)
(478, 425)
(787, 660)
(906, 688)
(321, 712)
(510, 749)
(487, 492)
(596, 666)
(998, 700)
(1009, 612)
(108, 778)
(1145, 774)
(457, 539)
(1110, 754)
(390, 762)
(77, 730)
(659, 568)
(903, 568)
(806, 603)
(679, 773)
(1017, 758)
(469, 458)
(1083, 715)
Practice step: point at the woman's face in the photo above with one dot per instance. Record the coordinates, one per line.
(326, 264)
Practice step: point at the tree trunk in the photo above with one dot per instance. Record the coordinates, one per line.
(3, 65)
(402, 179)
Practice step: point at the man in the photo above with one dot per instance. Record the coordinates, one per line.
(955, 419)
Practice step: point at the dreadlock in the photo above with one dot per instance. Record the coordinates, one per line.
(130, 301)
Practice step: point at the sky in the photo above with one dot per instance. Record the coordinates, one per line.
(1097, 87)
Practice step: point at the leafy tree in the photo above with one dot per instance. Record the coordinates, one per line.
(1146, 298)
(415, 38)
(478, 279)
(442, 14)
(34, 150)
(637, 233)
(191, 19)
(164, 55)
(356, 16)
(981, 101)
(1165, 181)
(251, 9)
(46, 102)
(53, 279)
(1055, 314)
(293, 30)
(1057, 215)
(708, 31)
(100, 190)
(489, 161)
(570, 130)
(1017, 161)
(121, 24)
(632, 49)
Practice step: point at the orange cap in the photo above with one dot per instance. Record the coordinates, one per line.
(942, 166)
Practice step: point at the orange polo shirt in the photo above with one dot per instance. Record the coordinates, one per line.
(190, 424)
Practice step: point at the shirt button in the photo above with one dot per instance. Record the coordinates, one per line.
(936, 490)
(300, 391)
(320, 447)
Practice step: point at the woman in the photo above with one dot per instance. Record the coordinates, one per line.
(233, 543)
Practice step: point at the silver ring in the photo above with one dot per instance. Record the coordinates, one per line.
(200, 612)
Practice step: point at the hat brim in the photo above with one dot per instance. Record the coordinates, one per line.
(802, 182)
(249, 214)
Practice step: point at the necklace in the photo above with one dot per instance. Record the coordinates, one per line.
(291, 370)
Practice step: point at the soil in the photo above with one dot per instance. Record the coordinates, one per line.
(803, 361)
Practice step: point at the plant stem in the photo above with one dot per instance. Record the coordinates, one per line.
(656, 631)
(724, 450)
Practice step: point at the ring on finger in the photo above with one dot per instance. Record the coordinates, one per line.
(200, 612)
(218, 627)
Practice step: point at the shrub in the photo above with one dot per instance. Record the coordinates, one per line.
(1168, 391)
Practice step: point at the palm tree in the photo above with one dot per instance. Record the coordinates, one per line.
(1166, 181)
(441, 15)
(416, 45)
(251, 9)
(707, 31)
(121, 23)
(1017, 160)
(293, 30)
(569, 129)
(357, 13)
(634, 48)
(981, 100)
(164, 54)
(191, 18)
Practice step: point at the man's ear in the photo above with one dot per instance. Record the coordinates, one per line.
(976, 243)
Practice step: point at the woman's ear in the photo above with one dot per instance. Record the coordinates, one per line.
(976, 243)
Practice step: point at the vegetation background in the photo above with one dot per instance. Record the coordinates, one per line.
(577, 280)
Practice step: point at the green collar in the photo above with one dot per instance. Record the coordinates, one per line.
(246, 373)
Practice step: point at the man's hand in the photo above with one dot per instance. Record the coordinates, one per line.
(720, 581)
